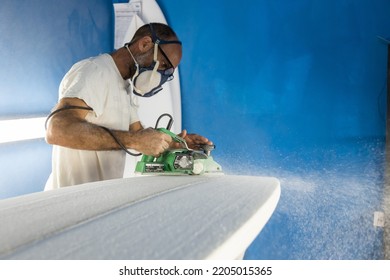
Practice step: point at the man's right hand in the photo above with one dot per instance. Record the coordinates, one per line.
(152, 142)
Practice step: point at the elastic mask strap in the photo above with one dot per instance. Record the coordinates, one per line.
(136, 71)
(135, 61)
(155, 52)
(157, 40)
(155, 58)
(155, 68)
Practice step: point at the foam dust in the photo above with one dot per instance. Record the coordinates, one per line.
(326, 208)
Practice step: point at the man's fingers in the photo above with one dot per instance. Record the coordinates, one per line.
(198, 139)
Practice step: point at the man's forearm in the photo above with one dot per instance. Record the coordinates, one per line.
(84, 135)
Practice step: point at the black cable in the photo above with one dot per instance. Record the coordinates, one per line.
(169, 125)
(119, 142)
(63, 109)
(105, 128)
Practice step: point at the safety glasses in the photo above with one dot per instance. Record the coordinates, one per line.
(169, 71)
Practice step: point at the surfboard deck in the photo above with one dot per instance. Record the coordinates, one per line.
(148, 217)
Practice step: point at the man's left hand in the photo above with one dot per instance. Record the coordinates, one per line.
(194, 141)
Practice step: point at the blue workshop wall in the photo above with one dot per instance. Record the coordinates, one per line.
(40, 40)
(296, 90)
(292, 89)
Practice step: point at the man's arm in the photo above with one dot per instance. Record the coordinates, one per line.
(69, 128)
(135, 127)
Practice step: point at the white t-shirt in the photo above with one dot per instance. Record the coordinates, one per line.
(98, 83)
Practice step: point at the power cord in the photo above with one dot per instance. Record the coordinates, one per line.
(70, 107)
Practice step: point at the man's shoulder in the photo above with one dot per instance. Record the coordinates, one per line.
(93, 65)
(99, 60)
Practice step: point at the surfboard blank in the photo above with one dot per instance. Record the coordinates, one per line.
(151, 217)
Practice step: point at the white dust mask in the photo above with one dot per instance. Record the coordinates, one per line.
(147, 81)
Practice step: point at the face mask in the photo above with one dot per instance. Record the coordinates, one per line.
(147, 81)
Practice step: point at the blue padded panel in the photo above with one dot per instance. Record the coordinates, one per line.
(25, 167)
(40, 40)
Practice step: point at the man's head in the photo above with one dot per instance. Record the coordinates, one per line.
(156, 52)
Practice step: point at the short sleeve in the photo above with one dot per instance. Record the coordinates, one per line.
(85, 80)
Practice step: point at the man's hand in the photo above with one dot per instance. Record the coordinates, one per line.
(152, 142)
(194, 141)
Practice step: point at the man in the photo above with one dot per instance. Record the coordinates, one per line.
(95, 113)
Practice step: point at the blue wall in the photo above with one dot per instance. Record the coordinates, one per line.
(296, 90)
(291, 89)
(40, 40)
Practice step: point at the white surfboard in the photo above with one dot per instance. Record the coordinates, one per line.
(152, 217)
(166, 101)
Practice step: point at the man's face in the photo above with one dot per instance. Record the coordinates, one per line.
(155, 62)
(169, 56)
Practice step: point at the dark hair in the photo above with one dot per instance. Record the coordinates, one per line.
(161, 30)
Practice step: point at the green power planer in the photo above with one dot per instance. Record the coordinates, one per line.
(179, 161)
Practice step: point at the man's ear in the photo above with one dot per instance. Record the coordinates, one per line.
(145, 44)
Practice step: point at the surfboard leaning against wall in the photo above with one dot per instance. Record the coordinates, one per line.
(128, 18)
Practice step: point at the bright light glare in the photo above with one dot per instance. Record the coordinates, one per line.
(22, 129)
